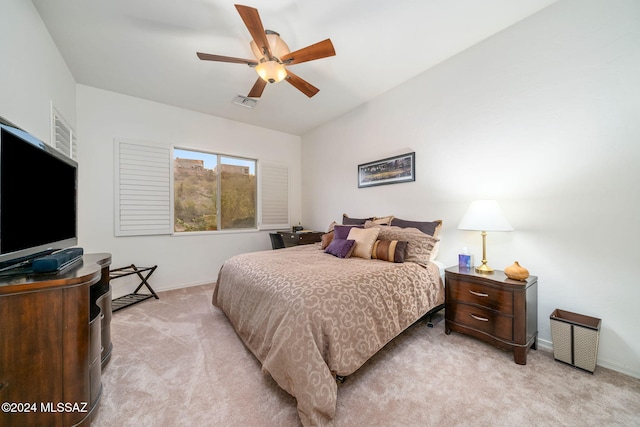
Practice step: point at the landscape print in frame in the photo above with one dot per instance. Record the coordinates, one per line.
(392, 170)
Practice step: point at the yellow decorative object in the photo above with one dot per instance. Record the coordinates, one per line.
(516, 272)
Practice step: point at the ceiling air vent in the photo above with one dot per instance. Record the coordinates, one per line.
(244, 101)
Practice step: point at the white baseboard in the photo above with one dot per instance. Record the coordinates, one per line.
(618, 368)
(545, 344)
(121, 292)
(548, 345)
(185, 285)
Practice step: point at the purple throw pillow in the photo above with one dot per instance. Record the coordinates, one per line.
(342, 231)
(342, 248)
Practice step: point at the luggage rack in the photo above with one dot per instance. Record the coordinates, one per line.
(133, 298)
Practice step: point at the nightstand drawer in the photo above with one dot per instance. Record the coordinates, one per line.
(487, 296)
(484, 320)
(295, 239)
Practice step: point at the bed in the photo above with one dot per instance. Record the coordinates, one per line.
(310, 316)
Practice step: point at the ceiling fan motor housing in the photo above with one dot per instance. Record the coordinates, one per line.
(276, 44)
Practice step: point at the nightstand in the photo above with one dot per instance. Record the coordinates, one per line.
(493, 308)
(300, 238)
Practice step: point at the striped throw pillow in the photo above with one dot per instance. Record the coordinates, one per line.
(389, 250)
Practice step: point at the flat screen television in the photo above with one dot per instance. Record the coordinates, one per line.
(38, 198)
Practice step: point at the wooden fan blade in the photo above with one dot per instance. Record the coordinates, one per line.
(319, 50)
(302, 85)
(253, 23)
(257, 89)
(220, 58)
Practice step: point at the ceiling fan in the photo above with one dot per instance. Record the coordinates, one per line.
(272, 55)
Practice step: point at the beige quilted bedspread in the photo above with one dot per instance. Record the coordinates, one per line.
(308, 316)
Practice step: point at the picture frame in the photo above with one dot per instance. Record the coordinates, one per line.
(392, 170)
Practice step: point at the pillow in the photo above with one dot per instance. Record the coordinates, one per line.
(326, 239)
(419, 245)
(354, 221)
(435, 251)
(383, 220)
(431, 228)
(389, 250)
(341, 248)
(365, 238)
(342, 231)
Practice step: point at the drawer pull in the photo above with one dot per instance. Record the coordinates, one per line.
(482, 319)
(478, 294)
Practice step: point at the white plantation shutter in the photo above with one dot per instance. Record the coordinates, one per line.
(274, 191)
(144, 203)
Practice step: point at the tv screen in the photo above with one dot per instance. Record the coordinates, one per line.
(38, 197)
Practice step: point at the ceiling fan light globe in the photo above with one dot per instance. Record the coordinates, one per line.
(276, 44)
(271, 71)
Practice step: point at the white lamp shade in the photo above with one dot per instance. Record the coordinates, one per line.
(484, 215)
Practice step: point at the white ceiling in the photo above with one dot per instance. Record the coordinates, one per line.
(147, 49)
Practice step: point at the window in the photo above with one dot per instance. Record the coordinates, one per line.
(146, 203)
(213, 192)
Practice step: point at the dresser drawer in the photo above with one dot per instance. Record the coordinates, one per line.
(487, 296)
(485, 320)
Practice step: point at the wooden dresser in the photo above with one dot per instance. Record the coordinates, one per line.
(493, 308)
(54, 338)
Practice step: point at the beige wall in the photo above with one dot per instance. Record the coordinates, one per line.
(182, 260)
(542, 117)
(33, 74)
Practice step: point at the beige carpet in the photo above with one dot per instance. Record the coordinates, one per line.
(178, 362)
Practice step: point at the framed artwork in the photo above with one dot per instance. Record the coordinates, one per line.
(392, 170)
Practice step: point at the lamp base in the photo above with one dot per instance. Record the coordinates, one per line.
(484, 269)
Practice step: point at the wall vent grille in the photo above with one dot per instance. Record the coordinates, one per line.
(63, 137)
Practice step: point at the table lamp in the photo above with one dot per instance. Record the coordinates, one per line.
(484, 215)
